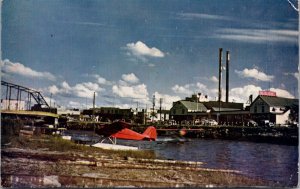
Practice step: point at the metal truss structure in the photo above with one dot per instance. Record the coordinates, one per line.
(19, 93)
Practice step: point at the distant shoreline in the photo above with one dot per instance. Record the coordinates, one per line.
(273, 135)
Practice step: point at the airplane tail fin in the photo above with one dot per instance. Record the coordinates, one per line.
(151, 133)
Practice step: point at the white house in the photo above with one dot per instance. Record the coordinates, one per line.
(278, 110)
(12, 104)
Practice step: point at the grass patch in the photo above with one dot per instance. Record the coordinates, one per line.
(145, 154)
(56, 143)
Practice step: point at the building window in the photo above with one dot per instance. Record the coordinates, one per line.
(182, 111)
(174, 111)
(255, 109)
(263, 109)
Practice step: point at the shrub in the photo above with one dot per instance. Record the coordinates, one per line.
(10, 128)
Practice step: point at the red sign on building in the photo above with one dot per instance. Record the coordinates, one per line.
(267, 93)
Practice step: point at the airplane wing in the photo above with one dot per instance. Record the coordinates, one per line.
(121, 130)
(128, 134)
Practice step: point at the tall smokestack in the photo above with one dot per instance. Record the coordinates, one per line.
(220, 72)
(94, 99)
(227, 75)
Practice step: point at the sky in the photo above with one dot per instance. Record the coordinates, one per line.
(127, 51)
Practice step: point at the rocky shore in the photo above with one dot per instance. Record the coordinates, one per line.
(47, 161)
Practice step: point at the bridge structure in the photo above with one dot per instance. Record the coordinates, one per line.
(18, 100)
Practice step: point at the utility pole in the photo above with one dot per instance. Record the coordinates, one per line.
(94, 100)
(85, 102)
(198, 99)
(137, 111)
(50, 99)
(294, 92)
(153, 104)
(93, 111)
(160, 102)
(146, 114)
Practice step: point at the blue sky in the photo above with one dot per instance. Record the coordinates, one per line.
(126, 51)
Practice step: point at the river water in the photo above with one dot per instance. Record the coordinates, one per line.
(278, 163)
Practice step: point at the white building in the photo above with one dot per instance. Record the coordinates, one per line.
(12, 104)
(277, 110)
(69, 112)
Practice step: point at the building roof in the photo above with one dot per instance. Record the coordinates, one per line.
(194, 106)
(224, 105)
(279, 101)
(216, 109)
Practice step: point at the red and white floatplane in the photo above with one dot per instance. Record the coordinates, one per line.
(121, 130)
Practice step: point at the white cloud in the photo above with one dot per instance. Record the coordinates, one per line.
(19, 69)
(189, 89)
(214, 79)
(124, 106)
(202, 16)
(48, 100)
(53, 89)
(102, 80)
(86, 89)
(86, 23)
(296, 75)
(258, 35)
(167, 100)
(123, 83)
(135, 92)
(254, 73)
(182, 89)
(131, 78)
(83, 90)
(282, 93)
(241, 94)
(74, 104)
(65, 86)
(141, 51)
(201, 87)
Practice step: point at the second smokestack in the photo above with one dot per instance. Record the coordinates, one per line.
(227, 75)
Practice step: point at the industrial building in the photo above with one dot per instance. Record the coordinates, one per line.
(266, 107)
(109, 113)
(278, 110)
(191, 111)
